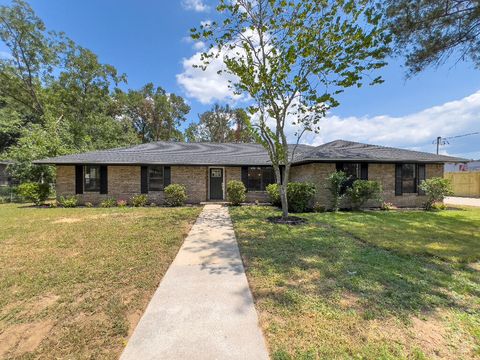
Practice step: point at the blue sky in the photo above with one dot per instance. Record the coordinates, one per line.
(147, 40)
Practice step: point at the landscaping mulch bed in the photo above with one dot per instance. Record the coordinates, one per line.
(291, 220)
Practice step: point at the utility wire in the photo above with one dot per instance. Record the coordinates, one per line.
(441, 141)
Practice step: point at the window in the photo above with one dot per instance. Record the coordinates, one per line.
(155, 178)
(352, 170)
(259, 178)
(91, 181)
(409, 178)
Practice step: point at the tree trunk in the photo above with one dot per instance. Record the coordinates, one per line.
(283, 191)
(283, 198)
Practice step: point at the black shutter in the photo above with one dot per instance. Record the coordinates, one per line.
(364, 171)
(420, 177)
(398, 180)
(79, 179)
(339, 166)
(245, 176)
(167, 176)
(103, 180)
(144, 180)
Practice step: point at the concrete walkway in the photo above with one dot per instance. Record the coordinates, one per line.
(454, 200)
(203, 308)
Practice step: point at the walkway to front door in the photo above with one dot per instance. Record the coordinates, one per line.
(203, 308)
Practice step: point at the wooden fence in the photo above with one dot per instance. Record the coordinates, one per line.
(465, 183)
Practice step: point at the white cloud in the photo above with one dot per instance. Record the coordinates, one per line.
(207, 86)
(195, 5)
(199, 45)
(415, 131)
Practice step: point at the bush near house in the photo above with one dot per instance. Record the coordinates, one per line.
(273, 191)
(363, 190)
(299, 195)
(108, 203)
(175, 195)
(139, 200)
(236, 192)
(34, 192)
(68, 201)
(335, 185)
(435, 189)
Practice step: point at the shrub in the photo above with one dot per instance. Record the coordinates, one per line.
(318, 207)
(336, 181)
(363, 190)
(236, 192)
(273, 191)
(435, 189)
(69, 201)
(139, 200)
(387, 206)
(175, 195)
(88, 204)
(300, 196)
(34, 192)
(122, 203)
(108, 203)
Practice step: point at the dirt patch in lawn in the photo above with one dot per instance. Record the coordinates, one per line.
(22, 338)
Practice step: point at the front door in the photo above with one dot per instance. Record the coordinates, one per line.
(216, 184)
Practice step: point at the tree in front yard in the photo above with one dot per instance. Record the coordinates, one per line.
(292, 58)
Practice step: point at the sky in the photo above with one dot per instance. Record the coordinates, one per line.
(148, 40)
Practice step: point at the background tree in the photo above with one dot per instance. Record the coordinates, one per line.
(292, 58)
(429, 32)
(55, 97)
(155, 114)
(221, 124)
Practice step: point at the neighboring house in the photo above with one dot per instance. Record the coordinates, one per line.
(5, 178)
(468, 166)
(205, 168)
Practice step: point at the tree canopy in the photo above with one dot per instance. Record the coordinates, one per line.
(221, 124)
(57, 97)
(429, 32)
(292, 58)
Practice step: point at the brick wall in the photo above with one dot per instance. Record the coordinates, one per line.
(318, 173)
(195, 178)
(124, 182)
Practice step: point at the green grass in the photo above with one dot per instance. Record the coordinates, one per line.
(74, 282)
(327, 290)
(451, 235)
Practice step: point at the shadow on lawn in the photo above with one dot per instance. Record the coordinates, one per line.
(322, 262)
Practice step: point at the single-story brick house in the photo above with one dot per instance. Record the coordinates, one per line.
(205, 169)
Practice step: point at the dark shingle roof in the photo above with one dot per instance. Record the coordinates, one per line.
(341, 150)
(176, 153)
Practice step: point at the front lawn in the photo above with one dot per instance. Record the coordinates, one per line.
(74, 282)
(365, 285)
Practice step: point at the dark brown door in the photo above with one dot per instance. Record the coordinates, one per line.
(216, 184)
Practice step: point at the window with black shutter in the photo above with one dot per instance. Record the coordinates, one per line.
(258, 177)
(421, 177)
(406, 179)
(91, 178)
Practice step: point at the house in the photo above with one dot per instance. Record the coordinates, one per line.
(5, 178)
(205, 168)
